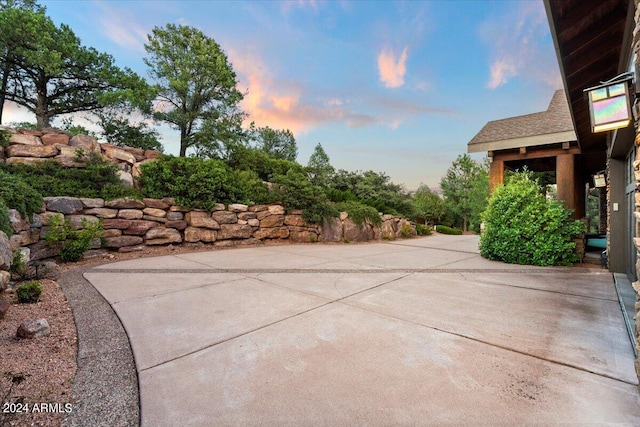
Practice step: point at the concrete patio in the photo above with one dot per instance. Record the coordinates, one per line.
(412, 332)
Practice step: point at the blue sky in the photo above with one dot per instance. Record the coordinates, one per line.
(395, 87)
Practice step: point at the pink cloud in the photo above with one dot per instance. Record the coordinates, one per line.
(392, 70)
(516, 40)
(286, 105)
(122, 28)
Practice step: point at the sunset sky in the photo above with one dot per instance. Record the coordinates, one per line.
(396, 87)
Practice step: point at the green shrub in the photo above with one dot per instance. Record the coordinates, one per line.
(423, 230)
(360, 213)
(17, 194)
(261, 163)
(29, 292)
(295, 191)
(345, 240)
(5, 224)
(443, 229)
(98, 179)
(523, 227)
(18, 266)
(73, 243)
(195, 183)
(406, 231)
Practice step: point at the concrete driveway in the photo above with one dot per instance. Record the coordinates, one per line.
(411, 332)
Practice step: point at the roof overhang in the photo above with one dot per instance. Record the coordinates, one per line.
(527, 141)
(592, 39)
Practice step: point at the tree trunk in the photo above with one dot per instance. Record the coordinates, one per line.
(183, 142)
(42, 115)
(3, 87)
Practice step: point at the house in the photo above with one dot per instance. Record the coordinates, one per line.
(595, 41)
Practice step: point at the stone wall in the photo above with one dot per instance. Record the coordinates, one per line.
(130, 225)
(36, 146)
(636, 207)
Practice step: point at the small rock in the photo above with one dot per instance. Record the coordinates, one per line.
(33, 329)
(238, 207)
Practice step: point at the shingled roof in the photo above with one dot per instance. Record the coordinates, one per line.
(547, 127)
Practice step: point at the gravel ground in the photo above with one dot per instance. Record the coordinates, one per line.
(37, 374)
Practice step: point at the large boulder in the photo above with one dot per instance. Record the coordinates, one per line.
(160, 213)
(126, 203)
(201, 220)
(87, 143)
(122, 241)
(193, 235)
(55, 138)
(120, 155)
(234, 231)
(303, 236)
(332, 230)
(6, 254)
(140, 228)
(126, 178)
(130, 214)
(42, 250)
(17, 222)
(29, 161)
(272, 221)
(102, 212)
(64, 205)
(225, 217)
(19, 150)
(296, 220)
(156, 203)
(19, 138)
(5, 278)
(162, 236)
(272, 233)
(357, 233)
(238, 207)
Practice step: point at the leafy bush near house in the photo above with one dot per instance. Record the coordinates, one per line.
(98, 179)
(29, 292)
(360, 212)
(443, 229)
(523, 227)
(17, 194)
(5, 224)
(73, 242)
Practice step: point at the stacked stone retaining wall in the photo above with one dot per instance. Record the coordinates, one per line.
(33, 147)
(131, 225)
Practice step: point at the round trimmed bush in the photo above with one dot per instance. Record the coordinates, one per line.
(523, 227)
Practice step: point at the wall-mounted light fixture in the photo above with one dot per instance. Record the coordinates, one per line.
(599, 180)
(609, 104)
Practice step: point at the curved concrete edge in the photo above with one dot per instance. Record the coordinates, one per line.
(105, 388)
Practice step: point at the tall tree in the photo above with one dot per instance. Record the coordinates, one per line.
(196, 84)
(428, 205)
(319, 167)
(466, 189)
(279, 144)
(11, 38)
(51, 73)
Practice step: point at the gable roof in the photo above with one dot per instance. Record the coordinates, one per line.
(547, 127)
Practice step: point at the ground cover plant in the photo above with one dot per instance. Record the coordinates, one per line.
(97, 179)
(522, 226)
